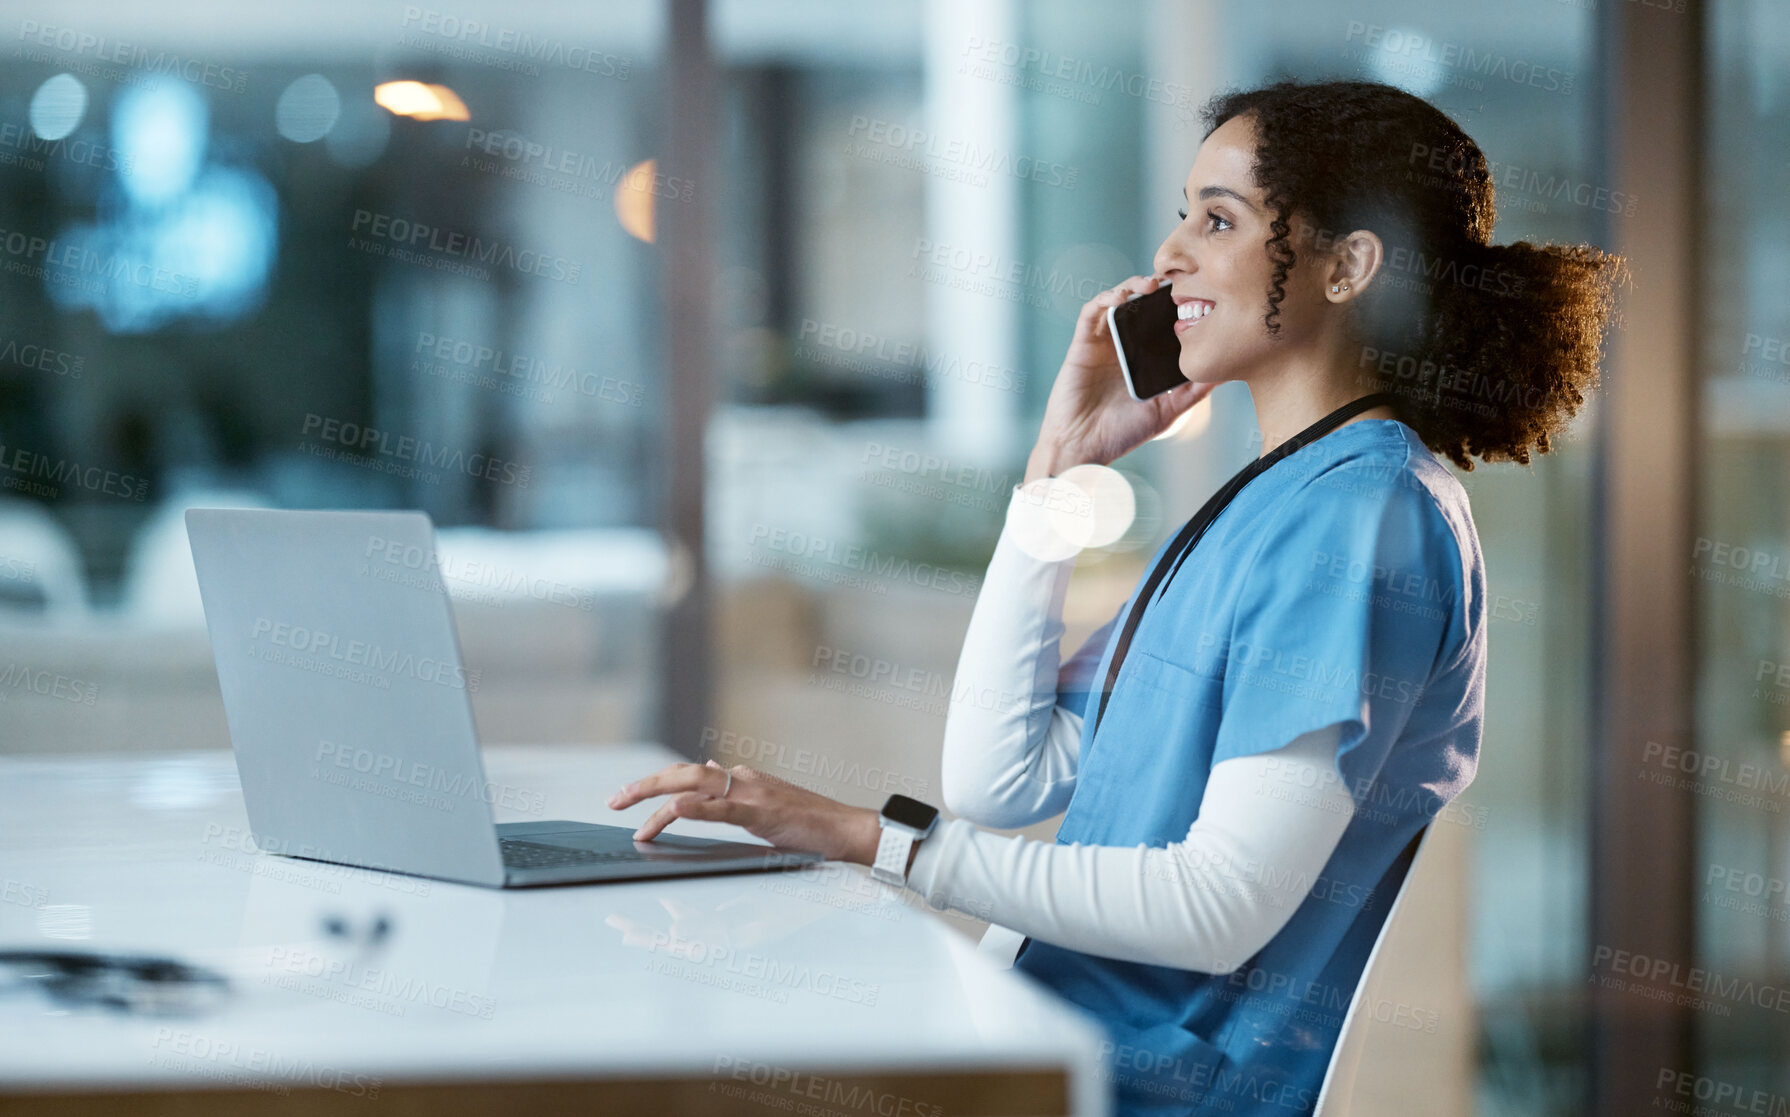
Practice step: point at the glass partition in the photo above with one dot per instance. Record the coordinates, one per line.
(332, 257)
(1740, 563)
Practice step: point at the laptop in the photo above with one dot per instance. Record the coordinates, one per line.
(350, 715)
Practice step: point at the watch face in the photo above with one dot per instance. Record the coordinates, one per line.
(909, 812)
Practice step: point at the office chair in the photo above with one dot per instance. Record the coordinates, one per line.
(999, 945)
(1335, 1096)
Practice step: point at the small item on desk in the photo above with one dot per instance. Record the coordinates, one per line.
(131, 983)
(370, 937)
(340, 927)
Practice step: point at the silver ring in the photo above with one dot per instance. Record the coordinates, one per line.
(729, 785)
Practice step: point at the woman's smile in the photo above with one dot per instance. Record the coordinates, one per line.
(1189, 311)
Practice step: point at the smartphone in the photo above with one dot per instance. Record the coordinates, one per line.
(1143, 329)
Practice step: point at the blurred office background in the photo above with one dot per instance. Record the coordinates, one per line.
(712, 337)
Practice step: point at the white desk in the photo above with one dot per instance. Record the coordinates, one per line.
(813, 991)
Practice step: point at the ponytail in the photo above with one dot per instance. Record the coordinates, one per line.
(1504, 353)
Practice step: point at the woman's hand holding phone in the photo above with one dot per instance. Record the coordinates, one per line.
(1090, 416)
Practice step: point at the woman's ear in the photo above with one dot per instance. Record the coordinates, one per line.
(1356, 260)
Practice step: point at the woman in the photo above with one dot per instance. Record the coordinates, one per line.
(1246, 757)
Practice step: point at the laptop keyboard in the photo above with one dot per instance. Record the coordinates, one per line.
(520, 854)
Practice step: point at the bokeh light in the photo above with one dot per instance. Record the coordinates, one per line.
(58, 106)
(1107, 512)
(1035, 523)
(634, 201)
(419, 101)
(160, 131)
(307, 109)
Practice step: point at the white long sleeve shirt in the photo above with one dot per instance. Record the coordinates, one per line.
(1207, 903)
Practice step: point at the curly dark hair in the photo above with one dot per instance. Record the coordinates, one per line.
(1490, 349)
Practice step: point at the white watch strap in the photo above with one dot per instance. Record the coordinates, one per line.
(892, 850)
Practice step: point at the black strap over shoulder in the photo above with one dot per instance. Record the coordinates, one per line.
(1189, 536)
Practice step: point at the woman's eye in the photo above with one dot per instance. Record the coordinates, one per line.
(1181, 213)
(1218, 223)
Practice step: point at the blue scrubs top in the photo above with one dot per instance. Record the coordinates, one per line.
(1344, 585)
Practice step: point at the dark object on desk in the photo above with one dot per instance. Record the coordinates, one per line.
(340, 927)
(132, 983)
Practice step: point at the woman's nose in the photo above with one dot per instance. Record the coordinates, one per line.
(1170, 258)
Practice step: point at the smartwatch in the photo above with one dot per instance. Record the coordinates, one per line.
(904, 821)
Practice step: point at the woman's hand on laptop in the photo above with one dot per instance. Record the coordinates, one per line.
(770, 808)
